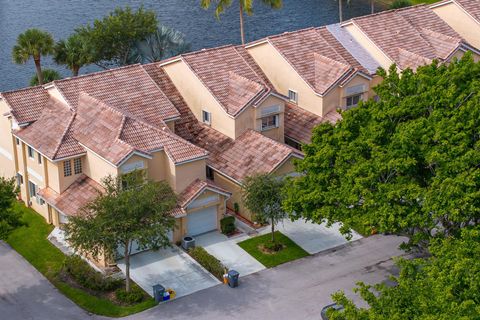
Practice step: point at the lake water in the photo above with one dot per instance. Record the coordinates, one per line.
(61, 17)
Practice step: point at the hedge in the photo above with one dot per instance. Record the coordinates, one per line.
(227, 225)
(209, 262)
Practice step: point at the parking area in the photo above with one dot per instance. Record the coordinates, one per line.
(171, 268)
(229, 253)
(312, 237)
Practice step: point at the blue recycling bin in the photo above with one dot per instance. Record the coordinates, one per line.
(233, 278)
(158, 292)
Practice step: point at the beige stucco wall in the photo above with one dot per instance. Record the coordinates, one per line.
(186, 173)
(276, 134)
(97, 168)
(199, 98)
(157, 165)
(284, 77)
(65, 182)
(355, 81)
(460, 21)
(7, 156)
(369, 45)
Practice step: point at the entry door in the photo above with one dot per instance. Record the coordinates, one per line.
(202, 221)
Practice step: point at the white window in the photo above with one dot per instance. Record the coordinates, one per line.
(293, 96)
(269, 122)
(67, 168)
(77, 165)
(32, 188)
(352, 101)
(206, 117)
(31, 153)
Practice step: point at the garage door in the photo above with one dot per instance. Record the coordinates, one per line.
(202, 221)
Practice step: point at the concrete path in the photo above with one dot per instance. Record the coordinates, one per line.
(313, 237)
(229, 253)
(295, 290)
(26, 294)
(171, 268)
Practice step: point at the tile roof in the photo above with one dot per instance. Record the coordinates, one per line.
(345, 40)
(129, 89)
(410, 36)
(115, 134)
(316, 56)
(224, 71)
(251, 152)
(471, 6)
(71, 201)
(56, 142)
(26, 104)
(299, 123)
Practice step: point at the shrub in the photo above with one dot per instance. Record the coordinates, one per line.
(134, 296)
(209, 262)
(227, 225)
(87, 277)
(397, 4)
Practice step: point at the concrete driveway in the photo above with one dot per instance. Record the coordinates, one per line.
(312, 237)
(171, 268)
(229, 253)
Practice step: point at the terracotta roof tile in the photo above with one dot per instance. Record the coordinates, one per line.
(471, 6)
(72, 200)
(299, 123)
(26, 104)
(410, 36)
(224, 70)
(195, 189)
(55, 142)
(316, 56)
(129, 89)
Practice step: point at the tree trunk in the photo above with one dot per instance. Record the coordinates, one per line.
(38, 68)
(242, 33)
(127, 266)
(75, 70)
(273, 231)
(372, 6)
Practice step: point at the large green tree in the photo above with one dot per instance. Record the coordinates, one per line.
(112, 37)
(74, 52)
(49, 75)
(244, 6)
(130, 210)
(9, 218)
(262, 194)
(33, 44)
(164, 43)
(443, 286)
(407, 164)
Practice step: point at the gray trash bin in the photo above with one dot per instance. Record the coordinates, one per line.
(233, 278)
(158, 291)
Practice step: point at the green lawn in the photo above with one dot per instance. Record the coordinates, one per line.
(31, 242)
(291, 251)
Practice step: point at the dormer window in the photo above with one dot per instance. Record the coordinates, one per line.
(270, 122)
(293, 96)
(206, 117)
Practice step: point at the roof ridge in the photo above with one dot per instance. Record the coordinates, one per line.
(248, 64)
(384, 12)
(203, 50)
(67, 129)
(2, 93)
(96, 73)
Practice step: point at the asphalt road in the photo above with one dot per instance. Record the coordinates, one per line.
(296, 290)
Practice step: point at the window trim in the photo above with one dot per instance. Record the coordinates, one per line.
(77, 166)
(208, 115)
(67, 170)
(295, 95)
(31, 152)
(276, 124)
(359, 95)
(32, 189)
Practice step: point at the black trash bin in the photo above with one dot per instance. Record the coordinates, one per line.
(158, 291)
(233, 278)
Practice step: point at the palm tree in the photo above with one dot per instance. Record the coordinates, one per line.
(48, 76)
(244, 6)
(33, 43)
(74, 53)
(164, 43)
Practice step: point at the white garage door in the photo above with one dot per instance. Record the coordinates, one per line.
(202, 221)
